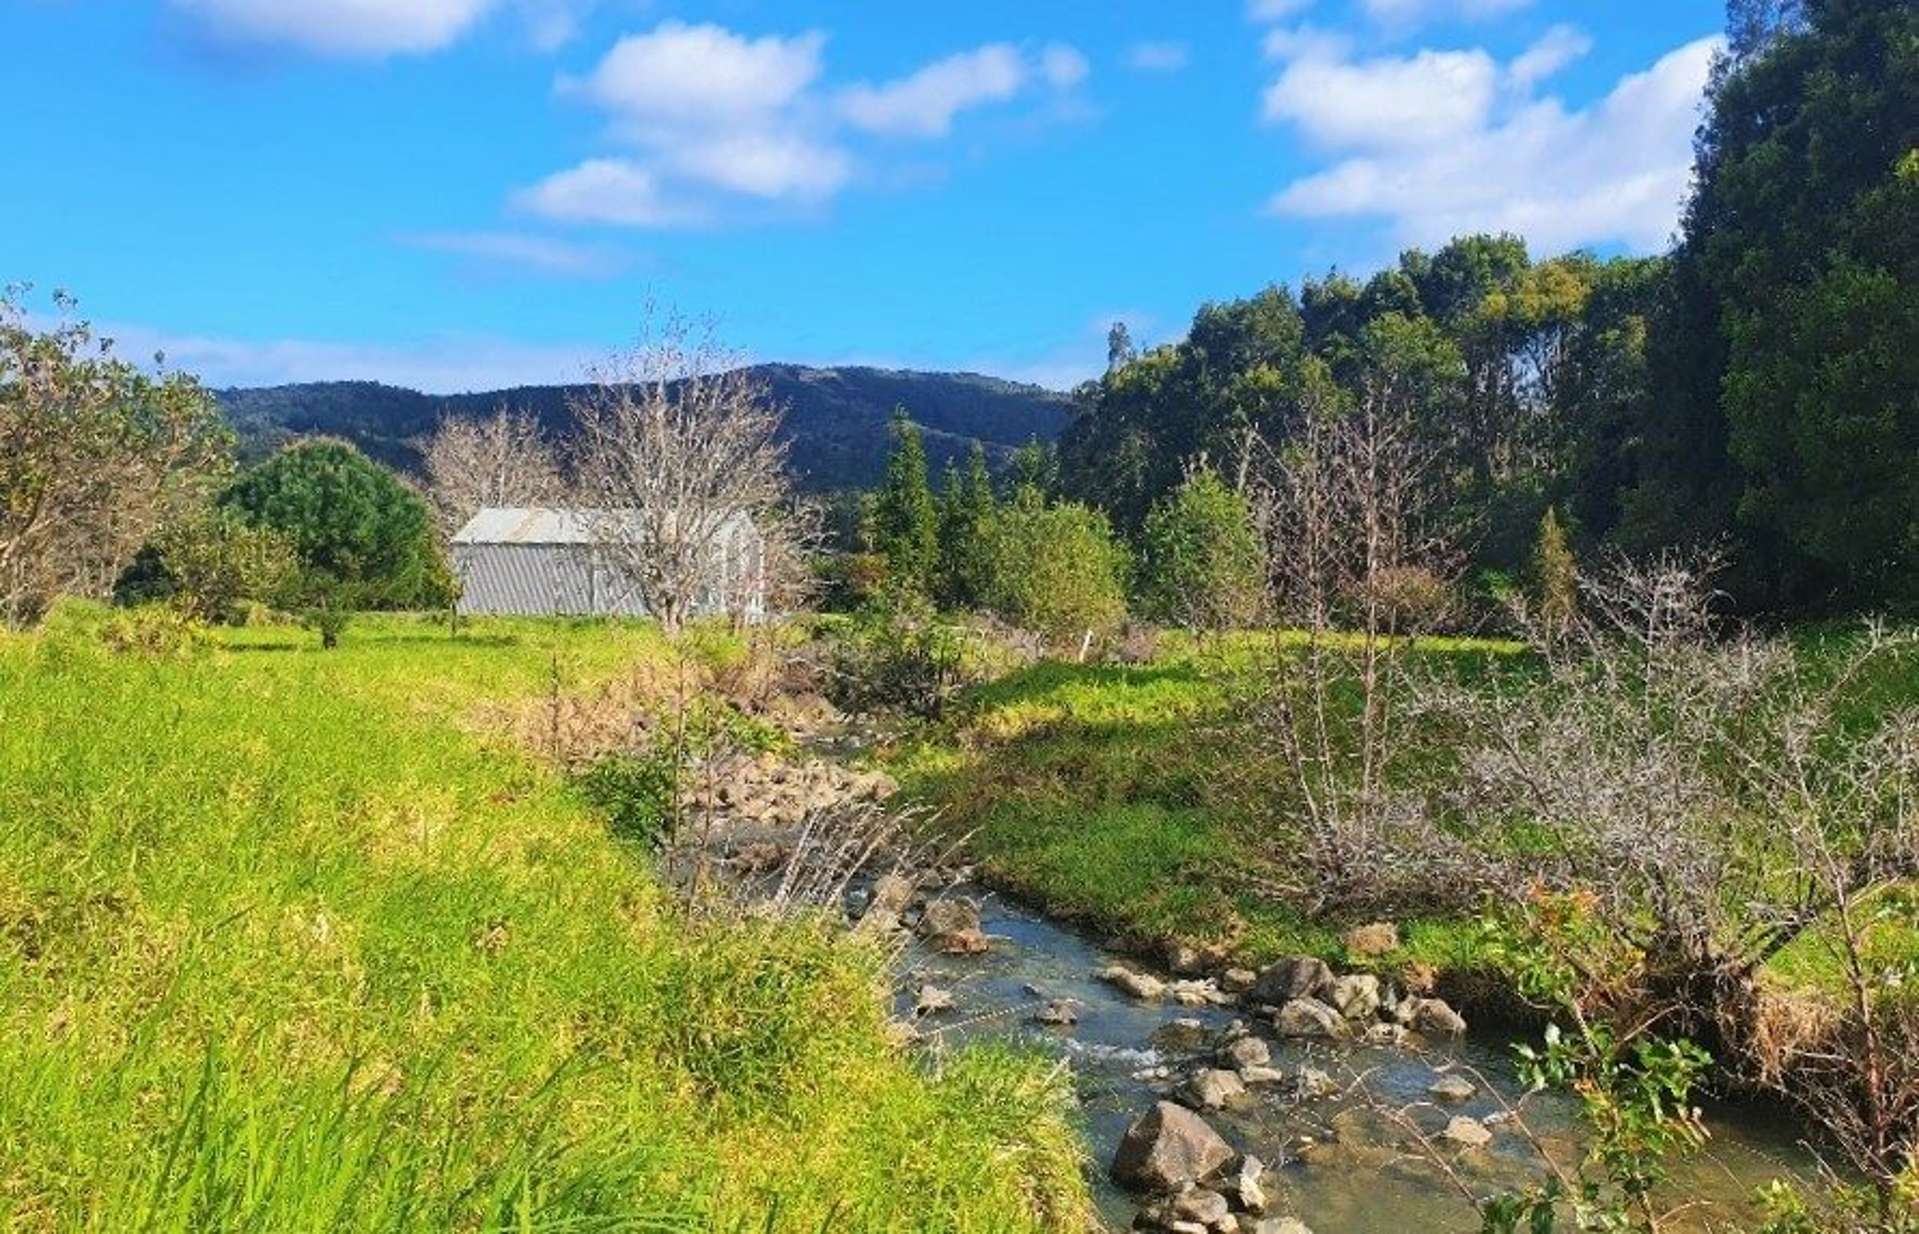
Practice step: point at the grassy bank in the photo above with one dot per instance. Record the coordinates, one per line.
(285, 944)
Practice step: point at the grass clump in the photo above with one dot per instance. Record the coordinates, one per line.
(283, 948)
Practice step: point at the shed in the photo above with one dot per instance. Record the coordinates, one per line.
(539, 562)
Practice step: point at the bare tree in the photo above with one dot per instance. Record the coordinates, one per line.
(94, 457)
(680, 465)
(502, 460)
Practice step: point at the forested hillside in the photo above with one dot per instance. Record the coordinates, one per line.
(836, 418)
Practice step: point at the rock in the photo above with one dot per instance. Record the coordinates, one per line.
(1168, 1146)
(1295, 977)
(891, 891)
(1198, 994)
(1435, 1017)
(1452, 1088)
(944, 917)
(1140, 985)
(1308, 1017)
(1243, 1185)
(1195, 1208)
(1390, 1035)
(1281, 1225)
(932, 1000)
(1356, 997)
(1469, 1132)
(963, 942)
(1215, 1088)
(1060, 1012)
(1245, 1052)
(759, 858)
(1237, 980)
(879, 921)
(1181, 1036)
(1261, 1075)
(1367, 942)
(1313, 1084)
(1182, 958)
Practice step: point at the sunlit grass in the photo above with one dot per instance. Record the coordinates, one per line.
(282, 947)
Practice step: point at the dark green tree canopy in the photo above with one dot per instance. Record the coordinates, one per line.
(352, 523)
(905, 519)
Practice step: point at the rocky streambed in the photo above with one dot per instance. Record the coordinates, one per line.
(1210, 1108)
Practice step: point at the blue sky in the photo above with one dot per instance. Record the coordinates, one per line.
(459, 194)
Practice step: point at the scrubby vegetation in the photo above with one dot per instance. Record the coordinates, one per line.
(283, 947)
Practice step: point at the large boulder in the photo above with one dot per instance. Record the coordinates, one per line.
(1168, 1147)
(1308, 1017)
(1300, 976)
(1355, 997)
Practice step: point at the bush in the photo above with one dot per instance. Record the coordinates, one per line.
(209, 565)
(1203, 566)
(896, 653)
(1056, 569)
(636, 793)
(156, 631)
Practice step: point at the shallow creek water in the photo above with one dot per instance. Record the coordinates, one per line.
(1337, 1164)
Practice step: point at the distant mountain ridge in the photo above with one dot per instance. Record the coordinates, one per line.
(836, 418)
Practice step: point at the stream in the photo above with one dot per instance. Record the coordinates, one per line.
(1337, 1162)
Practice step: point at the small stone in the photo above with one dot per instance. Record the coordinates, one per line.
(1261, 1075)
(1308, 1017)
(1215, 1088)
(1390, 1035)
(1313, 1084)
(1245, 1052)
(932, 1000)
(1281, 1225)
(891, 891)
(1243, 1185)
(1182, 958)
(1168, 1146)
(1292, 978)
(1060, 1012)
(1367, 942)
(1356, 997)
(1469, 1132)
(1184, 1035)
(1435, 1016)
(963, 942)
(1142, 986)
(944, 917)
(1452, 1088)
(1237, 980)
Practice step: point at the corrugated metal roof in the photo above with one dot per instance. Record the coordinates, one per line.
(542, 525)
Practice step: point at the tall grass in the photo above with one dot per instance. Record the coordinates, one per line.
(284, 948)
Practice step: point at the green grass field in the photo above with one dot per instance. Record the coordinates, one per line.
(289, 943)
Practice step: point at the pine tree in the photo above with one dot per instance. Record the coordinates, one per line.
(968, 509)
(1555, 576)
(906, 520)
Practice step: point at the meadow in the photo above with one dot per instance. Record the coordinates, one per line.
(290, 941)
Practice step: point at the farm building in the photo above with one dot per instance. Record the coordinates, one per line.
(546, 562)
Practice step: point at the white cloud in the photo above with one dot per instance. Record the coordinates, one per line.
(767, 164)
(540, 254)
(445, 364)
(342, 27)
(615, 191)
(1553, 51)
(1305, 43)
(1062, 65)
(1275, 10)
(701, 74)
(1155, 57)
(924, 103)
(1407, 13)
(1613, 172)
(1430, 98)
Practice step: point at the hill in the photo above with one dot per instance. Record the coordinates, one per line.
(836, 418)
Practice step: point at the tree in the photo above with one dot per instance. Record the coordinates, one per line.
(905, 520)
(1119, 346)
(679, 461)
(363, 538)
(502, 460)
(1056, 570)
(209, 563)
(1555, 579)
(968, 508)
(1202, 565)
(94, 456)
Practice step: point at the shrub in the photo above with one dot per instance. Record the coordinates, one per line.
(636, 793)
(1056, 569)
(896, 653)
(1203, 567)
(210, 564)
(156, 631)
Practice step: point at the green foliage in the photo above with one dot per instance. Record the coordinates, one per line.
(210, 564)
(968, 509)
(896, 653)
(1056, 569)
(1202, 567)
(285, 945)
(363, 538)
(638, 793)
(156, 631)
(1555, 576)
(905, 522)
